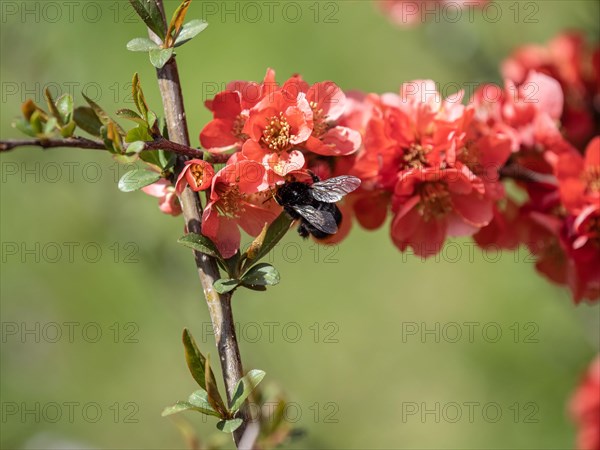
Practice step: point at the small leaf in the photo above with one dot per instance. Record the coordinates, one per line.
(65, 107)
(24, 127)
(257, 243)
(199, 399)
(136, 147)
(225, 285)
(244, 387)
(50, 126)
(262, 274)
(229, 426)
(200, 243)
(68, 129)
(190, 30)
(126, 113)
(186, 406)
(137, 179)
(176, 22)
(214, 398)
(139, 133)
(138, 96)
(160, 56)
(86, 119)
(150, 13)
(278, 228)
(141, 45)
(52, 107)
(28, 108)
(194, 358)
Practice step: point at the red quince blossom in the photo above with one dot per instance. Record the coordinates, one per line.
(584, 408)
(197, 174)
(275, 127)
(566, 58)
(230, 110)
(430, 157)
(280, 126)
(237, 198)
(167, 198)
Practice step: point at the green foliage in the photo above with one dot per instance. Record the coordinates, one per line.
(150, 13)
(175, 35)
(245, 387)
(137, 179)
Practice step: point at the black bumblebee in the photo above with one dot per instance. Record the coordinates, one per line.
(314, 205)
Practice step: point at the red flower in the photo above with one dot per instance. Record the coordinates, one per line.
(230, 111)
(566, 59)
(237, 198)
(431, 204)
(579, 178)
(584, 408)
(167, 199)
(275, 126)
(198, 174)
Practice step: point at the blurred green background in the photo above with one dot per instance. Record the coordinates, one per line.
(355, 369)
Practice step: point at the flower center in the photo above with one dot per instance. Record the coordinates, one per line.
(197, 172)
(592, 177)
(319, 120)
(276, 134)
(435, 200)
(469, 156)
(238, 126)
(415, 156)
(230, 202)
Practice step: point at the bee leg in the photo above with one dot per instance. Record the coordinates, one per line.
(303, 230)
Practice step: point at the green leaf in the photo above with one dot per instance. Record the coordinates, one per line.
(139, 133)
(136, 147)
(278, 228)
(160, 56)
(86, 119)
(137, 179)
(200, 243)
(132, 115)
(187, 406)
(229, 426)
(141, 45)
(52, 107)
(68, 129)
(177, 21)
(190, 30)
(214, 398)
(138, 96)
(225, 285)
(194, 358)
(150, 13)
(244, 387)
(262, 274)
(24, 127)
(199, 399)
(64, 104)
(50, 126)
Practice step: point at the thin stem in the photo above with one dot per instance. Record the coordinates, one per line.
(84, 143)
(219, 306)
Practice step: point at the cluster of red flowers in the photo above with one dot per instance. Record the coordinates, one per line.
(271, 133)
(437, 164)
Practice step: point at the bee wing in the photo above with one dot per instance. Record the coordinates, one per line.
(334, 189)
(322, 220)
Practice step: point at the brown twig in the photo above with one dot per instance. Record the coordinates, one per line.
(219, 306)
(7, 145)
